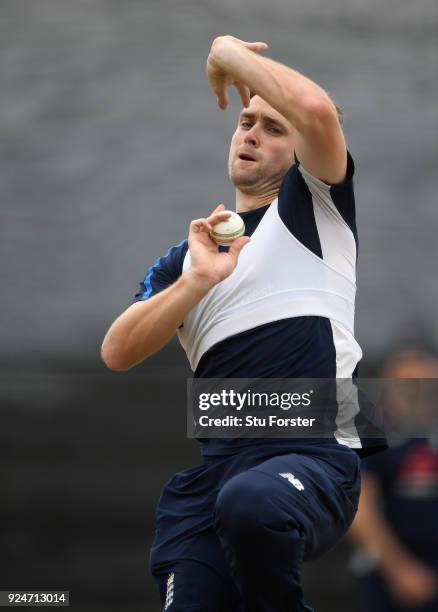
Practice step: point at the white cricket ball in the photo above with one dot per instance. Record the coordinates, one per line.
(225, 232)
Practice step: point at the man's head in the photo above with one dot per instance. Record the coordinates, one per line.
(412, 360)
(411, 401)
(262, 149)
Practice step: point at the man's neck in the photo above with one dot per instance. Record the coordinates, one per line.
(246, 201)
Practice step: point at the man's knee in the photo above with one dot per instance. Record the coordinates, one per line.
(245, 507)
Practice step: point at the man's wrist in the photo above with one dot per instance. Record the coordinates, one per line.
(221, 48)
(198, 281)
(393, 563)
(218, 44)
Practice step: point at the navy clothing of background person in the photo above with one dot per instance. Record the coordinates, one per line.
(407, 475)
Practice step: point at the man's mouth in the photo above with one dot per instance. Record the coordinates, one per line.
(246, 157)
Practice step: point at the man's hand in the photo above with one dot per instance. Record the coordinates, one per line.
(209, 265)
(219, 79)
(318, 139)
(146, 326)
(412, 583)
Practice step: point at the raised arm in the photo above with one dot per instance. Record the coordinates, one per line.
(146, 327)
(319, 140)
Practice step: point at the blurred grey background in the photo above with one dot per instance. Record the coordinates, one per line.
(111, 142)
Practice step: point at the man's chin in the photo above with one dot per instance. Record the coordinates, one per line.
(246, 179)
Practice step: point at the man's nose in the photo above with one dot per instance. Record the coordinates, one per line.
(252, 137)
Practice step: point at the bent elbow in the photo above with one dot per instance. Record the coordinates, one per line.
(115, 366)
(113, 360)
(318, 112)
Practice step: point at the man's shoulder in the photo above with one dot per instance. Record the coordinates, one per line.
(176, 251)
(304, 200)
(173, 259)
(165, 271)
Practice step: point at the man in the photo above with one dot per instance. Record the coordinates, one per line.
(233, 532)
(396, 525)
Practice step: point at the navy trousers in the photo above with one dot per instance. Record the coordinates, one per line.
(233, 533)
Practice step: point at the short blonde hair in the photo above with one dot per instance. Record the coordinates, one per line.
(339, 110)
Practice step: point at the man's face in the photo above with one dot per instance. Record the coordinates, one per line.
(261, 149)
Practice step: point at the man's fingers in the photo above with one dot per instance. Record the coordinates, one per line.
(206, 225)
(200, 225)
(256, 46)
(222, 98)
(221, 206)
(238, 244)
(244, 93)
(217, 217)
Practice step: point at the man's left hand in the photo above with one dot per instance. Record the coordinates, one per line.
(217, 73)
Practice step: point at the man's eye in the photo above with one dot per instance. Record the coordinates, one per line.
(246, 124)
(274, 130)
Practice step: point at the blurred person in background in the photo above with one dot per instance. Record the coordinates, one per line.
(396, 527)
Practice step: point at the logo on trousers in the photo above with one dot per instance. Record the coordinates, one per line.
(169, 591)
(294, 481)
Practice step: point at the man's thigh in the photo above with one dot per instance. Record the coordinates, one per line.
(318, 495)
(194, 586)
(284, 510)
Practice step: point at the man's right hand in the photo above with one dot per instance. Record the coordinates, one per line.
(209, 265)
(412, 583)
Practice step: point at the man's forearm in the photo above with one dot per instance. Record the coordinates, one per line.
(145, 327)
(375, 535)
(292, 94)
(372, 531)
